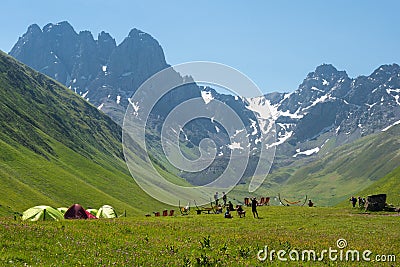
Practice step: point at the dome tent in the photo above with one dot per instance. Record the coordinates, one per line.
(76, 211)
(42, 213)
(106, 211)
(92, 211)
(63, 210)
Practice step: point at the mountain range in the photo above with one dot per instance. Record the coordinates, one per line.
(106, 74)
(328, 109)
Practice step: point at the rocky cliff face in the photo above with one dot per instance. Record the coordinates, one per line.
(102, 72)
(330, 106)
(327, 110)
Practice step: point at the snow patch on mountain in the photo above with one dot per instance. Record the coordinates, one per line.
(235, 145)
(135, 107)
(306, 152)
(295, 115)
(282, 137)
(320, 99)
(254, 126)
(396, 96)
(207, 96)
(262, 107)
(390, 126)
(316, 89)
(85, 94)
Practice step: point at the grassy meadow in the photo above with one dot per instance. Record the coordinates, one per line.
(202, 240)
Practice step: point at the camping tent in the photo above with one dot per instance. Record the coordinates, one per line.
(63, 210)
(106, 211)
(76, 211)
(92, 211)
(42, 213)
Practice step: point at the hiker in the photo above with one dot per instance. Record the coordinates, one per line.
(353, 201)
(216, 198)
(240, 211)
(310, 203)
(247, 201)
(224, 198)
(361, 202)
(230, 206)
(227, 214)
(254, 207)
(218, 209)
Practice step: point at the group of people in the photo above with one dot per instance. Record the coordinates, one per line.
(216, 198)
(238, 209)
(361, 201)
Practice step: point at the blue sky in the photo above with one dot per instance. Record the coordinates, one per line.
(275, 43)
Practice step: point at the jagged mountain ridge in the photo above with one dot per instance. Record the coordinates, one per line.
(328, 108)
(99, 70)
(328, 104)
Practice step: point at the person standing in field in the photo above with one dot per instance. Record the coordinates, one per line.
(254, 207)
(353, 201)
(216, 198)
(224, 198)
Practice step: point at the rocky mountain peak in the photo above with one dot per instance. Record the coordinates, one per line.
(138, 38)
(86, 35)
(34, 29)
(105, 45)
(61, 27)
(105, 37)
(326, 69)
(134, 32)
(384, 72)
(101, 71)
(328, 72)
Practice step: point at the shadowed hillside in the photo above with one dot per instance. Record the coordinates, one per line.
(57, 149)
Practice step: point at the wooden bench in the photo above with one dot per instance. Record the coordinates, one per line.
(205, 210)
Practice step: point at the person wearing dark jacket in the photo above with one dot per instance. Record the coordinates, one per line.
(230, 206)
(254, 207)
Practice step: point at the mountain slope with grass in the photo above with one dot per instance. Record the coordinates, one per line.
(343, 172)
(57, 149)
(387, 185)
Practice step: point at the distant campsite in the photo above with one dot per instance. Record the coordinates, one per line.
(76, 211)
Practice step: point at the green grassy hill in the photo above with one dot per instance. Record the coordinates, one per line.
(390, 185)
(57, 149)
(341, 173)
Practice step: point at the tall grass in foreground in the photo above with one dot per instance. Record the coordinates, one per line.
(200, 240)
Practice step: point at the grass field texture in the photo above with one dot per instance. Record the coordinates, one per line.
(204, 240)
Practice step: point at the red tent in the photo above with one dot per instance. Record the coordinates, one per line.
(76, 211)
(90, 216)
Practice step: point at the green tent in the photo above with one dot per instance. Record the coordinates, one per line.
(42, 213)
(106, 211)
(62, 210)
(92, 211)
